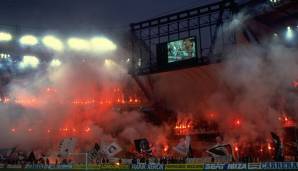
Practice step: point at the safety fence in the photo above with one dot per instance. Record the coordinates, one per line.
(156, 166)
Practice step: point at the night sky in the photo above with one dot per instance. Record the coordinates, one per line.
(87, 16)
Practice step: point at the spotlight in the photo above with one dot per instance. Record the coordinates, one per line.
(78, 44)
(5, 37)
(55, 63)
(29, 61)
(289, 33)
(28, 40)
(53, 43)
(102, 44)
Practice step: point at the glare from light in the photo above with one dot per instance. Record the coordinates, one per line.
(5, 37)
(139, 62)
(274, 1)
(55, 63)
(28, 40)
(53, 43)
(102, 44)
(29, 61)
(108, 63)
(78, 44)
(4, 55)
(289, 33)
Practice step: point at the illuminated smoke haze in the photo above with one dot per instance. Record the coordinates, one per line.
(252, 86)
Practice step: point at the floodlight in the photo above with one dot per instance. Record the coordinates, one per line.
(5, 37)
(78, 44)
(102, 44)
(28, 40)
(53, 43)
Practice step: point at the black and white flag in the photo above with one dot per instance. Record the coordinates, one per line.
(220, 150)
(92, 154)
(183, 146)
(66, 147)
(112, 149)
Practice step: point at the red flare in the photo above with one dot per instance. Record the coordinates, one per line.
(295, 84)
(236, 148)
(166, 148)
(87, 129)
(237, 122)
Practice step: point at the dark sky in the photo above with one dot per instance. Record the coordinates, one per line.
(87, 16)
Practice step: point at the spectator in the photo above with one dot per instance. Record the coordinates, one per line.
(134, 161)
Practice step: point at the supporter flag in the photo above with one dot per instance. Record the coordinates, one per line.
(278, 156)
(275, 138)
(66, 146)
(31, 157)
(183, 146)
(92, 154)
(220, 150)
(142, 146)
(6, 152)
(112, 149)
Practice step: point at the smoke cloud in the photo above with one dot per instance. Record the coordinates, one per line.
(73, 100)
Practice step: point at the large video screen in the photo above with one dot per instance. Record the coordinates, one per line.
(181, 49)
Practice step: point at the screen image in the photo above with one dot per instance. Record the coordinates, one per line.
(181, 49)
